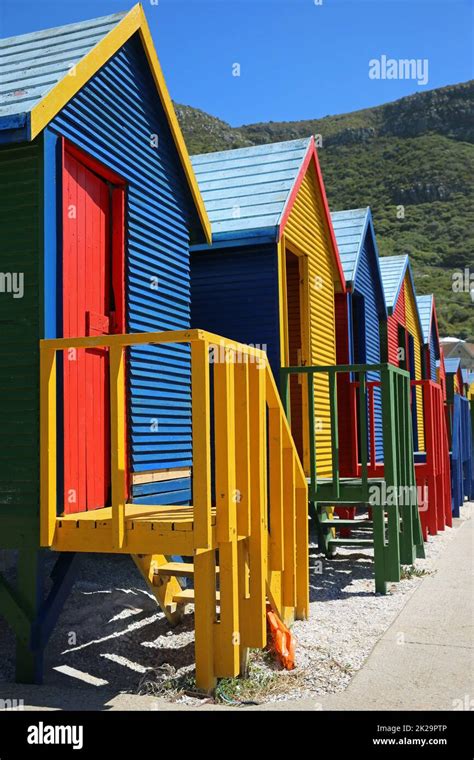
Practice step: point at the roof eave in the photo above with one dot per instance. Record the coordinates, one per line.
(67, 87)
(312, 155)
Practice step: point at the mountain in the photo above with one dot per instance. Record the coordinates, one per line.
(411, 160)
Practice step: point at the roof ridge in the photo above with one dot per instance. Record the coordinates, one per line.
(96, 21)
(262, 146)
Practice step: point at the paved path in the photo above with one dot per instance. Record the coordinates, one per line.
(423, 661)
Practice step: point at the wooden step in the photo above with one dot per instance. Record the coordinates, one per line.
(187, 596)
(350, 542)
(177, 569)
(343, 523)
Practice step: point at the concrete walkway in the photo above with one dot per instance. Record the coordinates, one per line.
(424, 661)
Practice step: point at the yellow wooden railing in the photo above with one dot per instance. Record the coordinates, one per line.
(250, 431)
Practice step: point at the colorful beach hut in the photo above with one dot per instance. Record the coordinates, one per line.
(402, 335)
(431, 344)
(460, 434)
(454, 378)
(271, 274)
(359, 313)
(105, 391)
(272, 277)
(433, 464)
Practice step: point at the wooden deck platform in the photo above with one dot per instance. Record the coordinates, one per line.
(351, 490)
(148, 529)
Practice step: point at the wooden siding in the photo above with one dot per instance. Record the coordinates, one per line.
(235, 294)
(305, 229)
(113, 119)
(347, 412)
(395, 319)
(368, 284)
(245, 190)
(295, 346)
(21, 328)
(34, 63)
(414, 328)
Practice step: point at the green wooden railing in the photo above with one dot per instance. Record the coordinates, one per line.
(397, 536)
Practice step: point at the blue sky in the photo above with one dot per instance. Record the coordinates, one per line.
(298, 59)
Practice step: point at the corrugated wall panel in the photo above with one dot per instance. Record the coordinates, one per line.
(395, 319)
(294, 348)
(367, 283)
(235, 294)
(432, 355)
(347, 418)
(305, 228)
(115, 118)
(20, 327)
(414, 328)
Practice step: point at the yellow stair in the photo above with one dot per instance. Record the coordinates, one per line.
(258, 482)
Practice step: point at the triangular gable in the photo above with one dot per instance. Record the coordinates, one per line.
(353, 228)
(249, 192)
(245, 190)
(311, 158)
(425, 307)
(393, 270)
(429, 320)
(453, 367)
(50, 86)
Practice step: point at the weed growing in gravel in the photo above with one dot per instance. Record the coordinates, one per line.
(265, 679)
(410, 571)
(167, 682)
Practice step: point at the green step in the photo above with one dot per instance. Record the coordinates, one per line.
(346, 523)
(350, 542)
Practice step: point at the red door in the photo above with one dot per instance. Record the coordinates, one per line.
(88, 309)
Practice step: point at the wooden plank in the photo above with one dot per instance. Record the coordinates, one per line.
(157, 476)
(289, 521)
(275, 449)
(242, 451)
(302, 554)
(224, 426)
(227, 633)
(205, 618)
(164, 589)
(48, 454)
(258, 542)
(117, 442)
(140, 540)
(201, 424)
(282, 311)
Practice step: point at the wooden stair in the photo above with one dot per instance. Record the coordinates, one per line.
(241, 447)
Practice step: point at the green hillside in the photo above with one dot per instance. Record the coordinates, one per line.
(416, 153)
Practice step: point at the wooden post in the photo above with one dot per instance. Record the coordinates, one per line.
(48, 455)
(289, 519)
(201, 427)
(117, 444)
(242, 452)
(205, 618)
(277, 535)
(392, 549)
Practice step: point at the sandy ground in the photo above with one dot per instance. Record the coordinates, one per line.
(111, 633)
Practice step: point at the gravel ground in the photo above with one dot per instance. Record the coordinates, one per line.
(111, 633)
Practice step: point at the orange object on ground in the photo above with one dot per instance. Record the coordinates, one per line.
(282, 640)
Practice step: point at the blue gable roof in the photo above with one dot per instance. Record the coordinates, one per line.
(452, 365)
(355, 236)
(425, 309)
(246, 190)
(350, 227)
(393, 270)
(32, 64)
